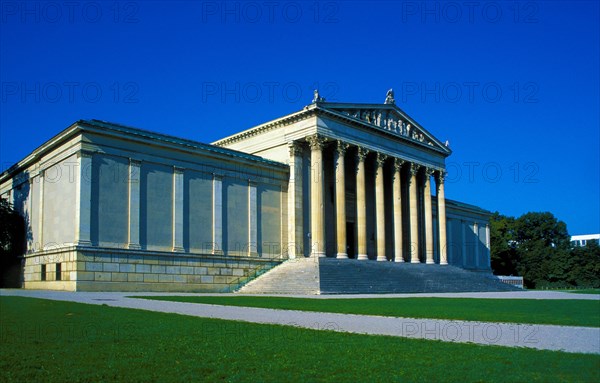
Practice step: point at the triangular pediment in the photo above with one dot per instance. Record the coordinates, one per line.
(389, 118)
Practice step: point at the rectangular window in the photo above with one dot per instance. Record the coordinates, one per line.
(43, 272)
(58, 269)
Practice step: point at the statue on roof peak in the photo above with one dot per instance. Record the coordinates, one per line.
(389, 97)
(317, 97)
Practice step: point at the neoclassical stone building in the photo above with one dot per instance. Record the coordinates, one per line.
(110, 207)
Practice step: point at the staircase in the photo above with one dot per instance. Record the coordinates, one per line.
(294, 276)
(349, 276)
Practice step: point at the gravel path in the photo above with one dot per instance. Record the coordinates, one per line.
(543, 337)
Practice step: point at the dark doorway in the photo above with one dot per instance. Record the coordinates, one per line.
(350, 240)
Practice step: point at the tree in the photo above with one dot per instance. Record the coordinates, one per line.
(504, 257)
(537, 247)
(12, 244)
(542, 242)
(585, 265)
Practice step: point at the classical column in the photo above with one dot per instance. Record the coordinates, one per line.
(441, 205)
(217, 215)
(295, 238)
(464, 242)
(83, 207)
(317, 218)
(340, 199)
(252, 220)
(178, 209)
(414, 226)
(428, 217)
(397, 201)
(380, 207)
(487, 245)
(476, 243)
(361, 206)
(40, 236)
(134, 204)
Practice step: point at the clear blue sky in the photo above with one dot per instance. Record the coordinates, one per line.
(514, 86)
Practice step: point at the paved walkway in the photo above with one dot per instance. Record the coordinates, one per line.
(543, 337)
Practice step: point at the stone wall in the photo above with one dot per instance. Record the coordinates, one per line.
(104, 269)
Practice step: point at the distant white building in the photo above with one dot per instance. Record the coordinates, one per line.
(582, 240)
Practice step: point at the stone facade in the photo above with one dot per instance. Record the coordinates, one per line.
(115, 208)
(367, 182)
(110, 207)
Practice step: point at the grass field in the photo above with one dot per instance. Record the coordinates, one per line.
(558, 312)
(52, 341)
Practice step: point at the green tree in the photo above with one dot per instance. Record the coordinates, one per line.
(504, 256)
(584, 268)
(543, 244)
(12, 244)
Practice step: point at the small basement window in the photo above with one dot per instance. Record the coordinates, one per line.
(58, 270)
(43, 272)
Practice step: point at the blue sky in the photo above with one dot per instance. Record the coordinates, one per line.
(514, 86)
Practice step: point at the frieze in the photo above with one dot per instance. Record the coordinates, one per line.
(389, 121)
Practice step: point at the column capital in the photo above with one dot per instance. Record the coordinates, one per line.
(362, 153)
(316, 141)
(380, 160)
(217, 177)
(414, 168)
(429, 172)
(295, 148)
(134, 162)
(178, 170)
(84, 154)
(398, 162)
(341, 147)
(441, 175)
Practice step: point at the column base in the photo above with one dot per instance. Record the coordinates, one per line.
(444, 263)
(381, 258)
(399, 260)
(319, 254)
(134, 246)
(342, 256)
(362, 257)
(415, 261)
(430, 262)
(178, 249)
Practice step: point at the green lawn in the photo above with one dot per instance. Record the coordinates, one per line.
(558, 312)
(52, 341)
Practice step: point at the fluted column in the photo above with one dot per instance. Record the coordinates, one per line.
(340, 199)
(414, 226)
(476, 243)
(397, 201)
(487, 246)
(83, 203)
(178, 206)
(441, 205)
(295, 235)
(380, 207)
(428, 217)
(134, 204)
(361, 207)
(317, 179)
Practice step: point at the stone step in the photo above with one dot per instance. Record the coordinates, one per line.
(294, 276)
(341, 276)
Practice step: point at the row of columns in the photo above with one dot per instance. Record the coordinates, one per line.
(317, 208)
